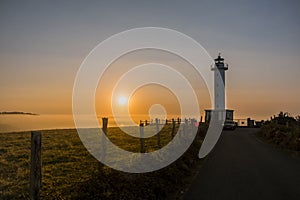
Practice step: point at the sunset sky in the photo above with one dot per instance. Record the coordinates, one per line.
(42, 45)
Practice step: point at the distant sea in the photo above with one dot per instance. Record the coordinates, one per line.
(16, 123)
(12, 122)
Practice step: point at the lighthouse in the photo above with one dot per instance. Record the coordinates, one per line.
(218, 118)
(219, 69)
(220, 111)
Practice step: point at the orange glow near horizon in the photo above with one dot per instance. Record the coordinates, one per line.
(149, 95)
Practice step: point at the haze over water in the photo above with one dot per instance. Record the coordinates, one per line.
(16, 123)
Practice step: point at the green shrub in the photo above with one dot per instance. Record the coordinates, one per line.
(282, 130)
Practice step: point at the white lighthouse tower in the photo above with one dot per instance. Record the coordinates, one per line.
(219, 69)
(220, 112)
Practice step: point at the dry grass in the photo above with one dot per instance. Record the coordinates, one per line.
(69, 171)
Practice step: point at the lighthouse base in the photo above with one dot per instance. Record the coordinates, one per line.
(220, 115)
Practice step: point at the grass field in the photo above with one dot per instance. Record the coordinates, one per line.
(70, 172)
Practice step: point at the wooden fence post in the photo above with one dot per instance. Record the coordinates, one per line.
(142, 139)
(35, 165)
(186, 124)
(193, 125)
(104, 124)
(178, 120)
(104, 129)
(173, 128)
(158, 133)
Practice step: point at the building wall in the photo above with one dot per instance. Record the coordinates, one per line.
(229, 115)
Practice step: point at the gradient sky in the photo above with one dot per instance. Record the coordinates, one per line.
(43, 44)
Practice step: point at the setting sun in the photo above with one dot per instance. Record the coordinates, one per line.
(122, 100)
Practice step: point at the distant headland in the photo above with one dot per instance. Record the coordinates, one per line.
(17, 113)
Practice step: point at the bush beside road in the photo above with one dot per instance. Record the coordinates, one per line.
(282, 130)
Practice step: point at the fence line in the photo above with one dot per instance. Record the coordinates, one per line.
(36, 144)
(187, 122)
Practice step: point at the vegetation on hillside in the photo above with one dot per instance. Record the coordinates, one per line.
(282, 130)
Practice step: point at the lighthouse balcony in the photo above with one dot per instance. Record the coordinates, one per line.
(223, 66)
